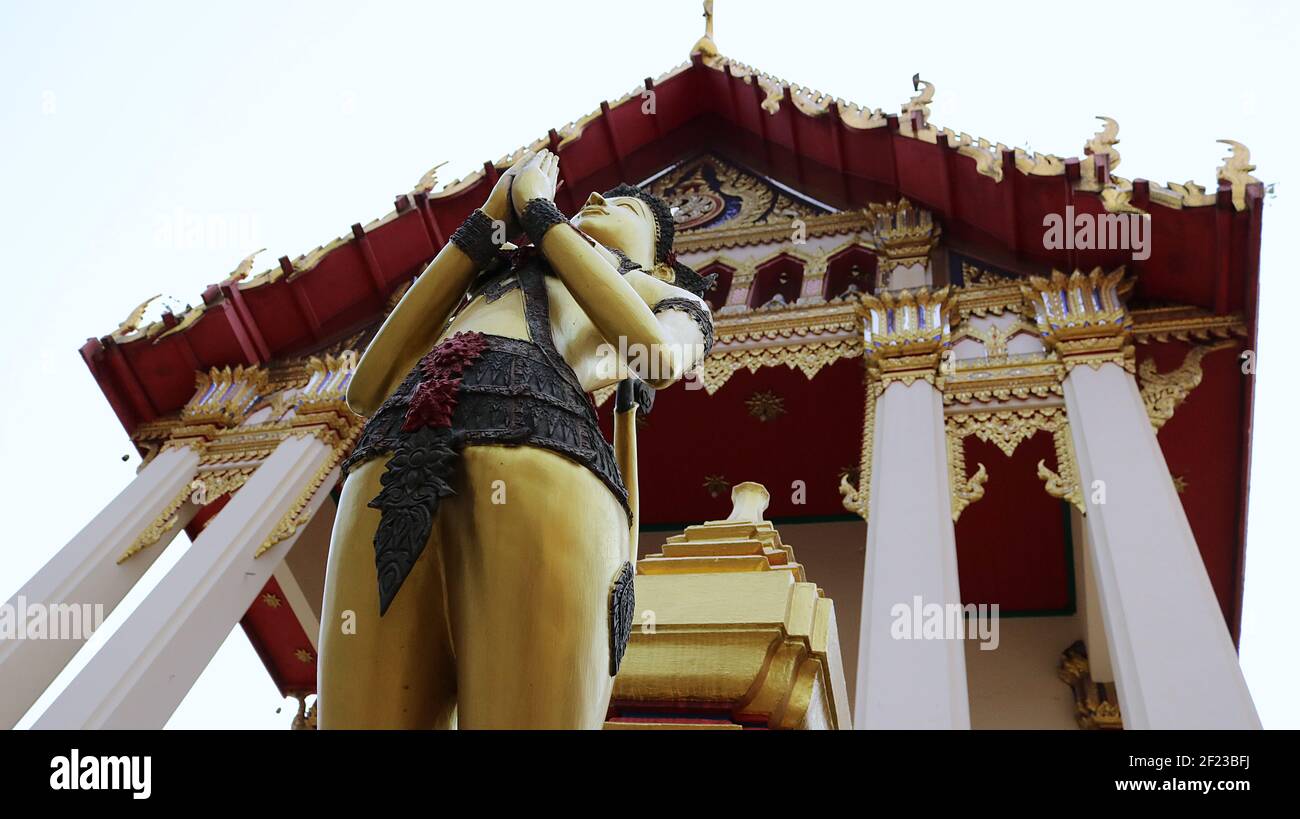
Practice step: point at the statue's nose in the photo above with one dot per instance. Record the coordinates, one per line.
(596, 199)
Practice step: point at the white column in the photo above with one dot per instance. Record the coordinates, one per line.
(146, 668)
(911, 553)
(1170, 650)
(1089, 603)
(85, 572)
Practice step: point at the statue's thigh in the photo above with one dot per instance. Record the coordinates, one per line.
(532, 547)
(395, 671)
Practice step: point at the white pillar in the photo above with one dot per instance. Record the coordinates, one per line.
(911, 553)
(1170, 650)
(146, 668)
(85, 572)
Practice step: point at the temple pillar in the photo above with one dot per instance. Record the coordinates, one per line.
(911, 548)
(146, 668)
(1169, 648)
(96, 569)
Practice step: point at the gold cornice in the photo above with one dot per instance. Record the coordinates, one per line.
(1002, 378)
(831, 224)
(809, 357)
(1180, 323)
(798, 320)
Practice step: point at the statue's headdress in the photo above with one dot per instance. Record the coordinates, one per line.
(678, 273)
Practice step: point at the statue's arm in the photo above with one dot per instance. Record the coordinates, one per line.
(618, 312)
(413, 327)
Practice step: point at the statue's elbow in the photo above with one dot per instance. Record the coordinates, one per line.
(360, 400)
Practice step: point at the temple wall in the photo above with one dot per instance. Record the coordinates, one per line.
(1016, 685)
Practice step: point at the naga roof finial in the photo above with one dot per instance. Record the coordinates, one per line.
(705, 44)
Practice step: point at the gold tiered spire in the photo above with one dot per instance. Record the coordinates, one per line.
(744, 542)
(726, 622)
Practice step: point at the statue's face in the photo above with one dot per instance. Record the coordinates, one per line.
(622, 222)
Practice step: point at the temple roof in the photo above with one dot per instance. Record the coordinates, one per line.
(988, 197)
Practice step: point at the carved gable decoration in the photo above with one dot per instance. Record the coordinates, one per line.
(709, 192)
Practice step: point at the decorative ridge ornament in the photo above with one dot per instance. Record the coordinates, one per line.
(916, 112)
(1102, 150)
(244, 267)
(705, 45)
(1236, 172)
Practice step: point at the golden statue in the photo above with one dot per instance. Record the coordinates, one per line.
(481, 488)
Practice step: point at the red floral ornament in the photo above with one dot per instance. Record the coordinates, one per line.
(435, 398)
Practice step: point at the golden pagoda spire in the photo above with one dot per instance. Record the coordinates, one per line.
(705, 44)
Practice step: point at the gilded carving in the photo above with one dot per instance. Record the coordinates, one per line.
(1082, 316)
(1096, 705)
(1236, 170)
(904, 234)
(296, 516)
(1007, 429)
(857, 499)
(965, 491)
(1162, 393)
(160, 525)
(808, 358)
(224, 396)
(905, 333)
(765, 405)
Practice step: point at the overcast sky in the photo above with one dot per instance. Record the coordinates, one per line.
(286, 122)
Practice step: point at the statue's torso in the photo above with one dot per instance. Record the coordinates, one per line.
(499, 310)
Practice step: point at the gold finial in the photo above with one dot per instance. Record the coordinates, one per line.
(1236, 172)
(705, 44)
(244, 267)
(1103, 144)
(429, 181)
(748, 502)
(920, 102)
(132, 321)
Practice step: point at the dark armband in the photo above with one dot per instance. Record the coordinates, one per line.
(474, 238)
(539, 216)
(693, 309)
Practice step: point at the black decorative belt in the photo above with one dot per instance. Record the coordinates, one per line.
(470, 389)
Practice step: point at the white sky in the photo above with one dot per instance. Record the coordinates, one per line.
(290, 121)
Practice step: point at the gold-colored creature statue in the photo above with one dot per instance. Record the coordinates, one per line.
(480, 569)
